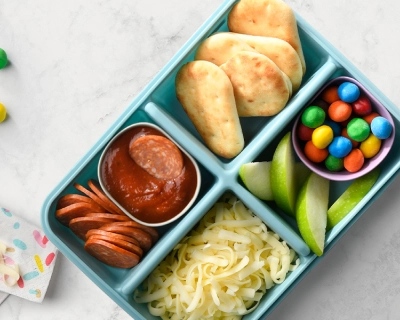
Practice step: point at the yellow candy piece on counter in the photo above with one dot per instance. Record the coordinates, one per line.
(3, 112)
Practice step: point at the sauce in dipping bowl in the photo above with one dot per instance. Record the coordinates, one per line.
(148, 175)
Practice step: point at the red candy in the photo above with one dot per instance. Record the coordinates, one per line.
(304, 133)
(362, 106)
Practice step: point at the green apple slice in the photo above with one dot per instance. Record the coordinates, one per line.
(301, 172)
(311, 212)
(256, 178)
(283, 178)
(351, 197)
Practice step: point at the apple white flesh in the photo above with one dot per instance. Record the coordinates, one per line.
(256, 178)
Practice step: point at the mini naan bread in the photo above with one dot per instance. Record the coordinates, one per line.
(269, 18)
(260, 87)
(206, 95)
(220, 47)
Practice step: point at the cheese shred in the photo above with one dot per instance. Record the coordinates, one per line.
(221, 269)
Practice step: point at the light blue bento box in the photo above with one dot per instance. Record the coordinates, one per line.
(158, 104)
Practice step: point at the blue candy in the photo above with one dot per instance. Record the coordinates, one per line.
(336, 128)
(381, 127)
(340, 147)
(348, 92)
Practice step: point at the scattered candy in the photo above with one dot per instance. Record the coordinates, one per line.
(3, 58)
(381, 127)
(341, 130)
(348, 92)
(3, 112)
(313, 117)
(358, 129)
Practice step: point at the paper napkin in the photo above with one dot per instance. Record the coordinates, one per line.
(28, 251)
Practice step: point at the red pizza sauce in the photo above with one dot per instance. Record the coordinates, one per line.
(143, 195)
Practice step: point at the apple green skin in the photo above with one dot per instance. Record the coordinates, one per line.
(282, 175)
(311, 209)
(351, 197)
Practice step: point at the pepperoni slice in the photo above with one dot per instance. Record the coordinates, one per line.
(151, 231)
(158, 155)
(111, 206)
(141, 236)
(98, 232)
(129, 246)
(112, 217)
(72, 198)
(81, 225)
(111, 254)
(80, 209)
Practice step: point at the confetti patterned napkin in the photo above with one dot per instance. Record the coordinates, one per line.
(28, 251)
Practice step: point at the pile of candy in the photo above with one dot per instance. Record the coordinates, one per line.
(341, 129)
(3, 63)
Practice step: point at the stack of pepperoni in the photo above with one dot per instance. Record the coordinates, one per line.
(109, 235)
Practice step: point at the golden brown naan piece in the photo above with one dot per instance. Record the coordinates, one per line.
(206, 95)
(269, 18)
(220, 47)
(260, 87)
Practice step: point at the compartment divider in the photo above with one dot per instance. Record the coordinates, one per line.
(170, 239)
(272, 220)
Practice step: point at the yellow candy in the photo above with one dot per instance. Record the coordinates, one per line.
(370, 146)
(3, 112)
(322, 136)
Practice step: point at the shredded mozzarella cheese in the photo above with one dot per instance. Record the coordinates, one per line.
(221, 269)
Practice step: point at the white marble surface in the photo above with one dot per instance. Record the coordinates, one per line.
(76, 65)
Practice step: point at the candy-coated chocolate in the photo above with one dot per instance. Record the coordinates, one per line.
(3, 58)
(313, 116)
(362, 106)
(3, 112)
(334, 164)
(330, 94)
(335, 127)
(371, 117)
(354, 143)
(322, 136)
(304, 133)
(370, 146)
(315, 154)
(358, 129)
(340, 147)
(354, 161)
(381, 127)
(348, 92)
(339, 111)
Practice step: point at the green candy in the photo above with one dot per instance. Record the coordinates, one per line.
(333, 164)
(3, 58)
(313, 116)
(358, 129)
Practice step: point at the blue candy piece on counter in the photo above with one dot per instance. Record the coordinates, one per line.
(381, 127)
(340, 147)
(348, 92)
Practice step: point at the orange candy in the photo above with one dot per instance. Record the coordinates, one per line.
(354, 160)
(330, 94)
(370, 117)
(339, 111)
(315, 154)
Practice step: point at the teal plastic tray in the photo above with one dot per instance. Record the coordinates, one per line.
(158, 104)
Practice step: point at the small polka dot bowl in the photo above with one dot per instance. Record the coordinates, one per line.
(344, 132)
